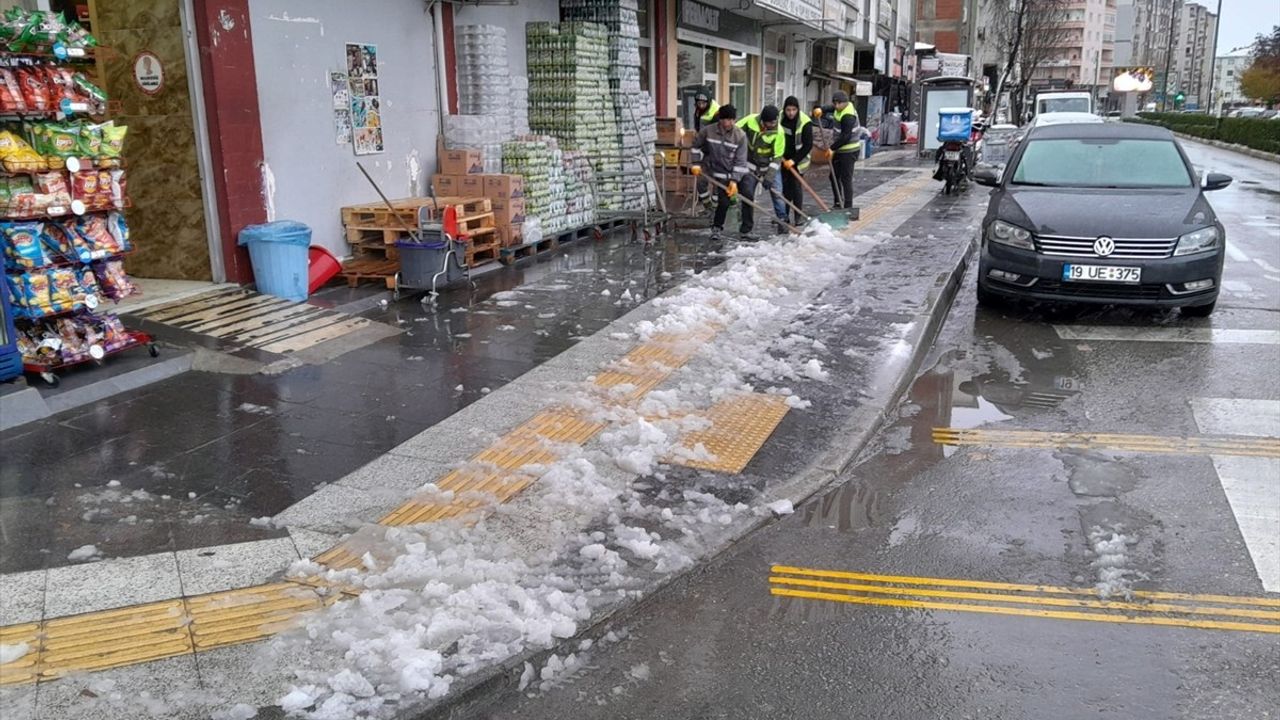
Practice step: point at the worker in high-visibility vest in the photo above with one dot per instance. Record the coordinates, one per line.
(765, 147)
(798, 129)
(705, 109)
(847, 147)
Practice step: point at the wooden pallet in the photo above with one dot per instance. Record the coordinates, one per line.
(354, 271)
(477, 255)
(378, 216)
(515, 253)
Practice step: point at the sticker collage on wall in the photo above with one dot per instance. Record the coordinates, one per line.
(341, 107)
(366, 107)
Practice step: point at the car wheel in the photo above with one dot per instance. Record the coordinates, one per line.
(1199, 311)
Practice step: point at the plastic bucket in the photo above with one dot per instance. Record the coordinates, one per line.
(278, 252)
(321, 268)
(421, 262)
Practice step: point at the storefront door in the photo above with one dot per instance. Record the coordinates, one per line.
(167, 219)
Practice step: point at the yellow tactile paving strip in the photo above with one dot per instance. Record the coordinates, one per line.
(152, 631)
(1204, 445)
(1206, 612)
(739, 428)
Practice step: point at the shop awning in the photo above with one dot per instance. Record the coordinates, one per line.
(835, 76)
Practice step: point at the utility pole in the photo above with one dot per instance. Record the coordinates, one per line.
(1213, 61)
(1168, 58)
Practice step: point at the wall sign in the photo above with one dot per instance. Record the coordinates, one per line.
(148, 73)
(699, 16)
(809, 11)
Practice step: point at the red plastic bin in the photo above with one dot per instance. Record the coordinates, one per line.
(321, 268)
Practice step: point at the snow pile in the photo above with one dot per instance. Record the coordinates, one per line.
(443, 600)
(10, 653)
(85, 553)
(1115, 579)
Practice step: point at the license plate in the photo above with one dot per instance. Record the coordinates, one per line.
(1067, 383)
(951, 154)
(1101, 273)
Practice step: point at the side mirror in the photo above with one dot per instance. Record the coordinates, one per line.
(1216, 181)
(989, 177)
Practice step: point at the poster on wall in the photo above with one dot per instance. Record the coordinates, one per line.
(341, 106)
(363, 98)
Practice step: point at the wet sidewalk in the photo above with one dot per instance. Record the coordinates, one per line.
(190, 461)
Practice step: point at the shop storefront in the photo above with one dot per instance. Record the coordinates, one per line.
(718, 50)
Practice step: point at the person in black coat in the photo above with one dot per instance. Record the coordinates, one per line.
(798, 129)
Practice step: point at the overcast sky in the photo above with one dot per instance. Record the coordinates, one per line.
(1242, 20)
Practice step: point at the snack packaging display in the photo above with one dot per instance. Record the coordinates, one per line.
(113, 139)
(17, 156)
(114, 334)
(74, 346)
(59, 243)
(35, 294)
(91, 93)
(23, 246)
(24, 30)
(65, 292)
(88, 281)
(119, 186)
(10, 93)
(119, 229)
(93, 229)
(31, 81)
(112, 279)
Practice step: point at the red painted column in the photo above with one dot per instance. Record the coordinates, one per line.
(234, 123)
(661, 47)
(450, 58)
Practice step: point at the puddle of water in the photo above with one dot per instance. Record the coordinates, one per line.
(850, 507)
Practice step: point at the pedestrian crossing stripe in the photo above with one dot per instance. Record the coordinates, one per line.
(1208, 612)
(249, 319)
(1204, 445)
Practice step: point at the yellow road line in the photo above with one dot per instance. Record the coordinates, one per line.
(1017, 587)
(1030, 600)
(1204, 445)
(1026, 612)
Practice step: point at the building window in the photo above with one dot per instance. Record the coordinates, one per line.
(740, 81)
(697, 66)
(646, 45)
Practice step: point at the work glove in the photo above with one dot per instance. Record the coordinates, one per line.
(732, 192)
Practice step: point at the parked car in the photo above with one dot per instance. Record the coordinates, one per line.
(1101, 213)
(1064, 118)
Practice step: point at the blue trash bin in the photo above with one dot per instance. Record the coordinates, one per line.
(278, 252)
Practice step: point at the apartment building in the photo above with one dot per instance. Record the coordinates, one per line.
(1226, 82)
(1193, 57)
(1084, 54)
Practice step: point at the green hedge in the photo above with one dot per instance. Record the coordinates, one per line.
(1251, 132)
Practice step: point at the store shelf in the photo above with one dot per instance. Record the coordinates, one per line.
(47, 371)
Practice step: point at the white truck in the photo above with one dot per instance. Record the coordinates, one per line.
(1064, 101)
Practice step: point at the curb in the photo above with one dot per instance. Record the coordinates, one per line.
(860, 428)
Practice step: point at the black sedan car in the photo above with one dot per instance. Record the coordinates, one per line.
(1101, 213)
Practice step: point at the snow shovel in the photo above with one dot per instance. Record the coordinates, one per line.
(716, 183)
(835, 218)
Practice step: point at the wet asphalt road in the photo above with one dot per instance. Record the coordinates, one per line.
(718, 645)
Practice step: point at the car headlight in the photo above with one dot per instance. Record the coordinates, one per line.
(1198, 241)
(1012, 235)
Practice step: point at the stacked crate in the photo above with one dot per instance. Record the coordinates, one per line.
(632, 110)
(568, 96)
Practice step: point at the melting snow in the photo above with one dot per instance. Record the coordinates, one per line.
(84, 552)
(9, 653)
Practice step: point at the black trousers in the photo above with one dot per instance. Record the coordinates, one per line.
(842, 178)
(793, 192)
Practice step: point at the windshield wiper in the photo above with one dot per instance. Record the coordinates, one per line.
(1033, 184)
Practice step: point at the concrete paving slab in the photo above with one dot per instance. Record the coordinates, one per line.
(22, 597)
(166, 688)
(111, 583)
(225, 567)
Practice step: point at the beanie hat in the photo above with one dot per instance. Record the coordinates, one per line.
(727, 112)
(702, 96)
(839, 96)
(769, 114)
(791, 102)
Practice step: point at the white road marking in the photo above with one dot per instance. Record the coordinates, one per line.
(1251, 484)
(1266, 265)
(1236, 253)
(1167, 334)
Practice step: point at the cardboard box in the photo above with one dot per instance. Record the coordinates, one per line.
(508, 211)
(510, 235)
(464, 161)
(669, 131)
(470, 186)
(445, 185)
(499, 187)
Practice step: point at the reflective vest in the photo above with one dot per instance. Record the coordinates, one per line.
(708, 117)
(852, 145)
(763, 147)
(801, 120)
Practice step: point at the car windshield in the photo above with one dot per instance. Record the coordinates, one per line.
(1102, 163)
(1064, 105)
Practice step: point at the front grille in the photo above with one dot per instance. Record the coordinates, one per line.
(1126, 248)
(1098, 290)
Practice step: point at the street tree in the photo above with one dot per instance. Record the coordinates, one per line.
(1261, 81)
(1035, 33)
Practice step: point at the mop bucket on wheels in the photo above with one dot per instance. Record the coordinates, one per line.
(434, 257)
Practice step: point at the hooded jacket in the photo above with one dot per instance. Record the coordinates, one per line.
(799, 133)
(724, 152)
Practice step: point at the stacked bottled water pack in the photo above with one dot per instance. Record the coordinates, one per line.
(484, 76)
(539, 160)
(486, 132)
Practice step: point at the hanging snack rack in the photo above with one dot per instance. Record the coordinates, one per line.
(63, 189)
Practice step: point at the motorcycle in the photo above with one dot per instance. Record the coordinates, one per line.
(956, 158)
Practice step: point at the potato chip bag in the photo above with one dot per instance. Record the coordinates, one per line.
(34, 93)
(23, 247)
(11, 100)
(113, 139)
(63, 289)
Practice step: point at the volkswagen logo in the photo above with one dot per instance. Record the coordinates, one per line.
(1104, 246)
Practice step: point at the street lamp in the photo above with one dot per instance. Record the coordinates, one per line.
(1213, 60)
(1168, 57)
